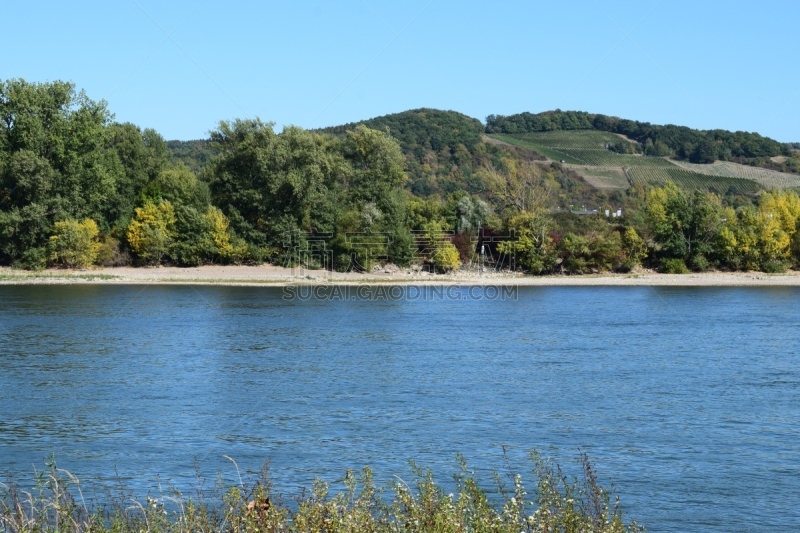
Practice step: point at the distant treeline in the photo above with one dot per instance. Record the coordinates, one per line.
(78, 189)
(679, 142)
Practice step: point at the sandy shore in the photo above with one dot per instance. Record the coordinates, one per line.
(268, 275)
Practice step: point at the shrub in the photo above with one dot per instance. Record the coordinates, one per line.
(673, 266)
(74, 244)
(111, 254)
(700, 263)
(446, 257)
(775, 266)
(32, 259)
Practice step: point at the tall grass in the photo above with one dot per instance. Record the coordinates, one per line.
(556, 504)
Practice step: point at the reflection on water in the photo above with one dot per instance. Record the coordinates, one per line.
(688, 399)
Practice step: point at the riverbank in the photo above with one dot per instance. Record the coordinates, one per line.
(270, 275)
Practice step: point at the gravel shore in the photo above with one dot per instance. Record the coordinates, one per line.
(269, 275)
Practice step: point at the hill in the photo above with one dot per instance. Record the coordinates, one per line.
(607, 160)
(442, 148)
(445, 149)
(680, 142)
(194, 154)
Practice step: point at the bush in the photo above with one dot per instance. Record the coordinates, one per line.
(775, 267)
(700, 263)
(32, 259)
(446, 257)
(74, 244)
(673, 266)
(111, 254)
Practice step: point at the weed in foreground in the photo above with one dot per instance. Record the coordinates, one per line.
(57, 504)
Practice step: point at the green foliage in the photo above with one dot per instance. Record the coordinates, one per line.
(673, 266)
(62, 158)
(74, 243)
(195, 154)
(110, 253)
(685, 225)
(270, 186)
(532, 247)
(262, 195)
(442, 149)
(590, 253)
(634, 249)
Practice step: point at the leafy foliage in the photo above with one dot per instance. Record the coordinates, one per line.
(73, 243)
(62, 158)
(152, 231)
(442, 149)
(423, 186)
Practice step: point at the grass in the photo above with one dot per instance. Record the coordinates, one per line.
(49, 275)
(57, 504)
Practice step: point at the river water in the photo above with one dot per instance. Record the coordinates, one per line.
(686, 399)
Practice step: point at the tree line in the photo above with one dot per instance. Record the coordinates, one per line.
(679, 142)
(79, 189)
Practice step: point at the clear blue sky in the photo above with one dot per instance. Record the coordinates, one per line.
(182, 66)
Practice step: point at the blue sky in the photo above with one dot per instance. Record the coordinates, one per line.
(181, 67)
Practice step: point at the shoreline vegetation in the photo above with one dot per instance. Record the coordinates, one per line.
(276, 276)
(559, 193)
(59, 502)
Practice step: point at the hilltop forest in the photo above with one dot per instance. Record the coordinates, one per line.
(424, 187)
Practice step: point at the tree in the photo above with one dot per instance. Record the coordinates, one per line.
(74, 243)
(684, 225)
(634, 249)
(270, 186)
(151, 232)
(530, 245)
(58, 161)
(470, 215)
(521, 188)
(444, 256)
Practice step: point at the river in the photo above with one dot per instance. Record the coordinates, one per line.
(686, 399)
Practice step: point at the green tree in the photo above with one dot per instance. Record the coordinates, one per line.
(56, 163)
(685, 225)
(271, 186)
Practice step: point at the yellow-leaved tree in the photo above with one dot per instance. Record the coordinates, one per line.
(151, 231)
(784, 207)
(758, 239)
(443, 254)
(223, 245)
(74, 243)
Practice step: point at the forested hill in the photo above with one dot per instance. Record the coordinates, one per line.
(679, 142)
(442, 148)
(194, 154)
(431, 129)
